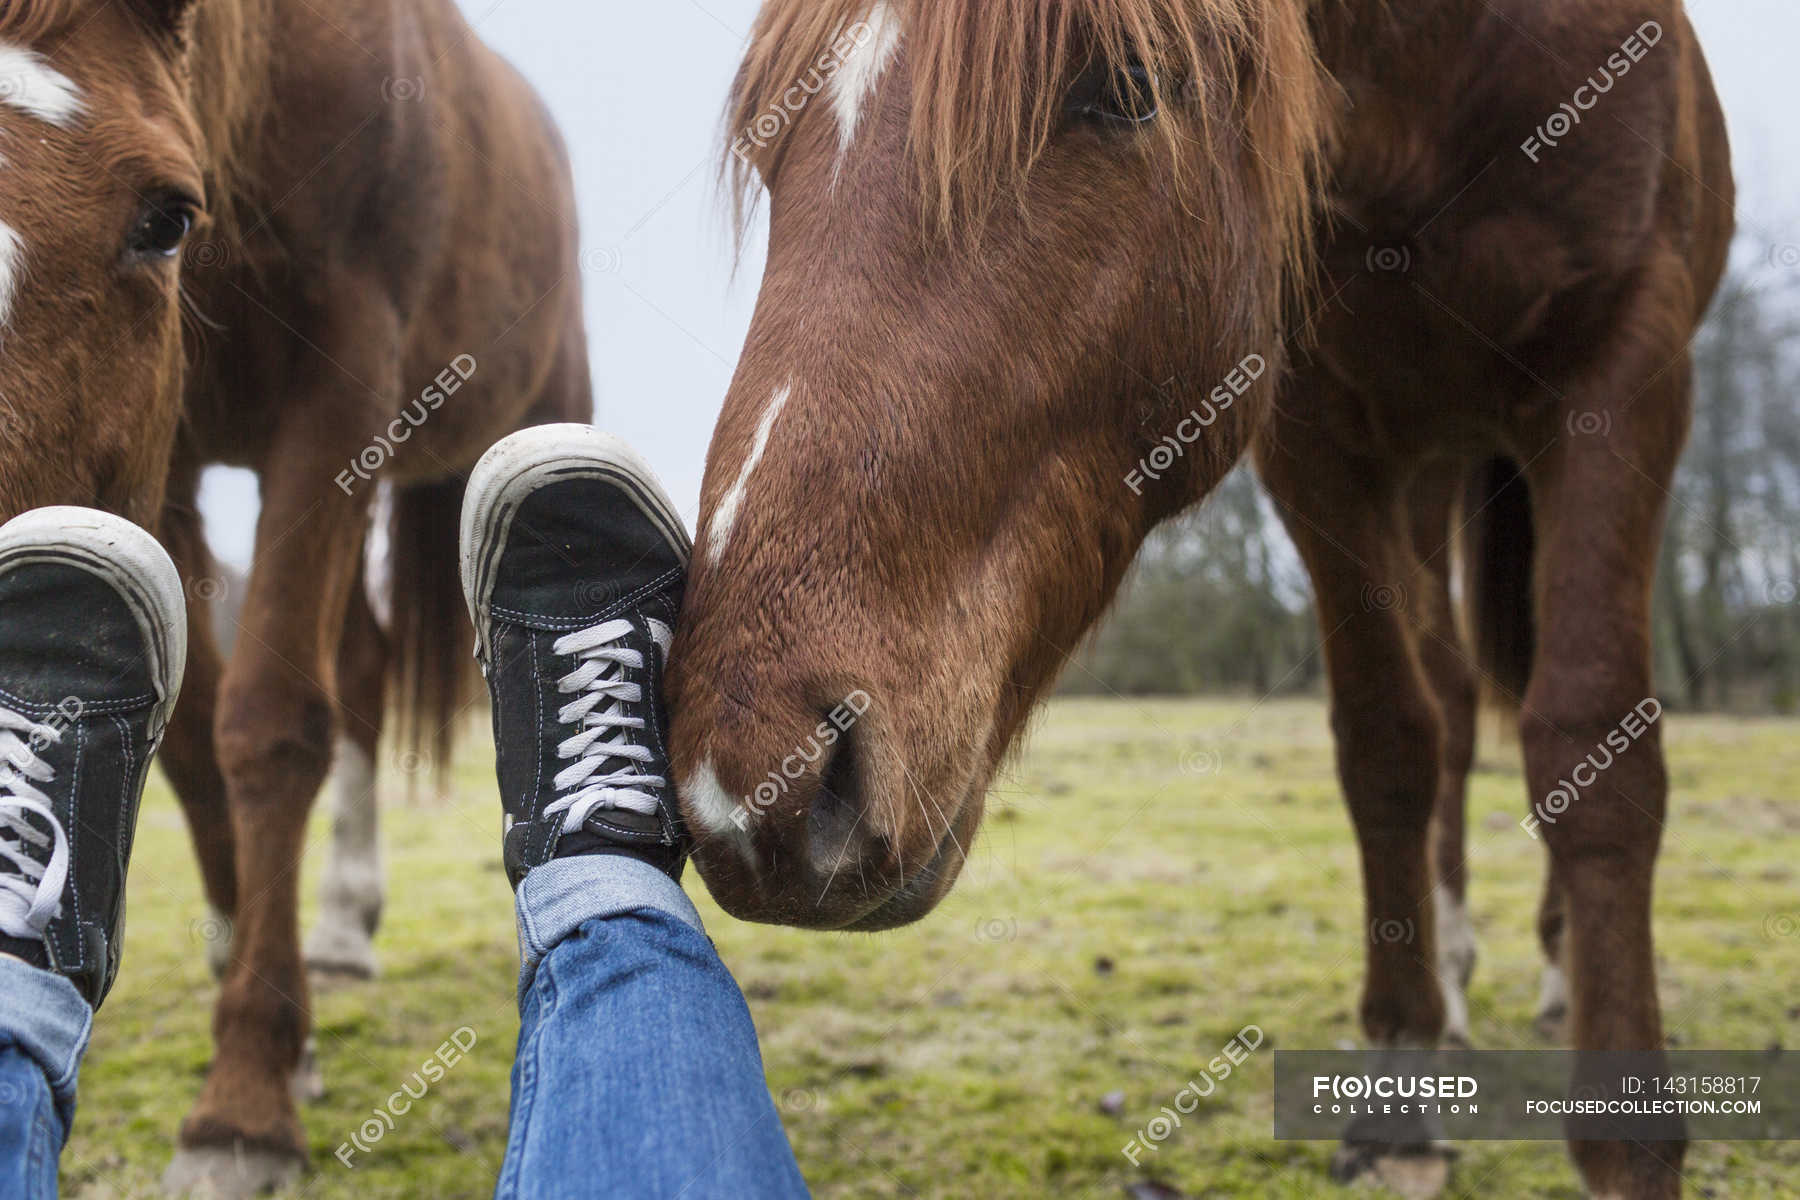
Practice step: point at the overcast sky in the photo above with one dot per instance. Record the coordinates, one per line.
(638, 90)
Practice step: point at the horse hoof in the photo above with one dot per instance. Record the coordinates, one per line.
(1552, 1024)
(1412, 1172)
(337, 961)
(234, 1172)
(338, 976)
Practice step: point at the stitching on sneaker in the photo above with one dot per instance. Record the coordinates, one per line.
(571, 624)
(99, 707)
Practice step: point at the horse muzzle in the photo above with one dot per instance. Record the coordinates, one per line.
(813, 820)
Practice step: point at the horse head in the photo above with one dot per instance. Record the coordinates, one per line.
(1025, 263)
(102, 184)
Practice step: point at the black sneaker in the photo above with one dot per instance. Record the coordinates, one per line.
(93, 640)
(573, 564)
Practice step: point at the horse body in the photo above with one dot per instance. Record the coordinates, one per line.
(1490, 348)
(1433, 196)
(1514, 321)
(381, 281)
(418, 215)
(320, 238)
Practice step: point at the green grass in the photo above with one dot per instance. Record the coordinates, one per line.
(1152, 877)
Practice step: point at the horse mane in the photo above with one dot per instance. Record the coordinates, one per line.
(230, 66)
(28, 22)
(988, 78)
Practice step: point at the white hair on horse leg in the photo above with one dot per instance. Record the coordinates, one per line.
(876, 37)
(378, 560)
(12, 268)
(725, 516)
(216, 930)
(716, 812)
(354, 887)
(1456, 960)
(1553, 992)
(30, 84)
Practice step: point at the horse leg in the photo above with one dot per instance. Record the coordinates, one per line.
(1349, 528)
(1593, 744)
(275, 736)
(1452, 679)
(188, 756)
(351, 893)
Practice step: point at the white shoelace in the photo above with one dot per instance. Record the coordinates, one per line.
(31, 892)
(603, 726)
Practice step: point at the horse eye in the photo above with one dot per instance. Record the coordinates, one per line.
(160, 229)
(1116, 95)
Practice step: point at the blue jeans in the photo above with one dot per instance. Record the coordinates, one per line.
(44, 1025)
(638, 1073)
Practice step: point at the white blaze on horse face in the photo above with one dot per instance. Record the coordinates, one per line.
(30, 84)
(862, 70)
(717, 813)
(12, 268)
(725, 516)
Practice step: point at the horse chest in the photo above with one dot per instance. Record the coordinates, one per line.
(1441, 295)
(1462, 279)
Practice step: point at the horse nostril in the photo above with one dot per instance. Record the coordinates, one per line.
(836, 820)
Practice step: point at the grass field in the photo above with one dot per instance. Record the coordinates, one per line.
(1152, 877)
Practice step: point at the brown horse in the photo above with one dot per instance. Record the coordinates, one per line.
(366, 220)
(1039, 273)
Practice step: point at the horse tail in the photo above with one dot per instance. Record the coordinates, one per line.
(433, 666)
(1498, 545)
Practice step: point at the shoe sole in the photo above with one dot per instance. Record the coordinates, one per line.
(517, 466)
(133, 562)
